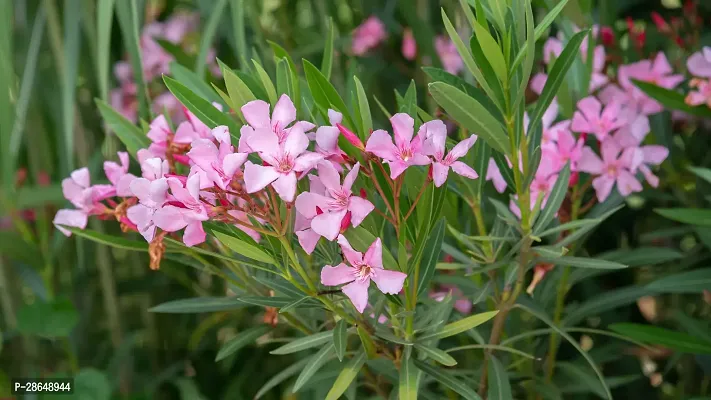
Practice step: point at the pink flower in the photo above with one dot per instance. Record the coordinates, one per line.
(699, 64)
(591, 118)
(368, 35)
(302, 224)
(461, 302)
(702, 94)
(538, 82)
(193, 129)
(405, 152)
(656, 72)
(336, 202)
(159, 132)
(493, 174)
(598, 78)
(84, 197)
(613, 168)
(435, 136)
(283, 161)
(219, 165)
(542, 184)
(183, 210)
(118, 175)
(256, 113)
(73, 218)
(151, 190)
(565, 149)
(358, 275)
(409, 45)
(168, 103)
(326, 138)
(631, 136)
(448, 54)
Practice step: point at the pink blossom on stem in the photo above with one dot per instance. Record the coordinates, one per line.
(368, 35)
(86, 198)
(592, 118)
(362, 269)
(461, 302)
(616, 166)
(256, 113)
(434, 145)
(183, 210)
(699, 64)
(302, 224)
(448, 54)
(283, 161)
(405, 152)
(702, 94)
(151, 190)
(409, 45)
(118, 175)
(335, 204)
(218, 164)
(493, 174)
(193, 129)
(326, 138)
(565, 149)
(630, 137)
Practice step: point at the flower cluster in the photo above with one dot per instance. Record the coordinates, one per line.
(195, 174)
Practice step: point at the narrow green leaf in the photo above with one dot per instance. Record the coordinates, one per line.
(471, 114)
(194, 82)
(530, 57)
(262, 301)
(315, 363)
(409, 378)
(555, 199)
(208, 34)
(557, 76)
(347, 375)
(366, 120)
(283, 79)
(128, 20)
(671, 99)
(581, 262)
(673, 340)
(304, 343)
(437, 355)
(323, 92)
(129, 134)
(104, 22)
(242, 339)
(285, 374)
(368, 343)
(703, 173)
(409, 104)
(491, 48)
(239, 92)
(499, 386)
(430, 255)
(180, 56)
(198, 305)
(327, 63)
(243, 248)
(642, 256)
(340, 339)
(113, 241)
(445, 378)
(693, 216)
(460, 326)
(203, 110)
(266, 82)
(237, 8)
(569, 226)
(695, 281)
(294, 304)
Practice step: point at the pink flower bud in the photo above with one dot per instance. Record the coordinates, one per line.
(363, 194)
(345, 222)
(660, 22)
(608, 36)
(181, 159)
(351, 137)
(574, 178)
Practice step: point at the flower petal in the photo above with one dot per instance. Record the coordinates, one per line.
(170, 218)
(73, 218)
(338, 275)
(389, 282)
(284, 112)
(328, 224)
(308, 240)
(439, 173)
(464, 170)
(351, 177)
(194, 234)
(329, 176)
(381, 144)
(285, 186)
(357, 291)
(374, 255)
(256, 113)
(257, 177)
(359, 208)
(403, 128)
(353, 257)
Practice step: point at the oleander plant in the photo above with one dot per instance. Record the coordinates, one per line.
(403, 199)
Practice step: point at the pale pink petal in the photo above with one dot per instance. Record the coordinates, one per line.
(185, 134)
(256, 113)
(464, 170)
(296, 143)
(461, 148)
(308, 240)
(307, 202)
(285, 186)
(590, 162)
(328, 224)
(396, 168)
(257, 177)
(73, 218)
(374, 255)
(627, 183)
(194, 234)
(699, 65)
(351, 177)
(264, 141)
(389, 282)
(603, 186)
(357, 291)
(435, 134)
(284, 112)
(353, 257)
(654, 154)
(538, 82)
(193, 187)
(439, 173)
(327, 138)
(157, 191)
(359, 208)
(661, 64)
(307, 161)
(123, 187)
(170, 218)
(338, 275)
(609, 151)
(381, 144)
(244, 133)
(329, 176)
(403, 128)
(549, 116)
(419, 159)
(140, 187)
(203, 153)
(652, 179)
(81, 177)
(334, 117)
(232, 162)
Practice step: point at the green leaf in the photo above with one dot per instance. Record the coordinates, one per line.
(327, 63)
(281, 376)
(315, 363)
(239, 91)
(128, 20)
(180, 56)
(208, 34)
(340, 338)
(703, 173)
(694, 327)
(263, 301)
(129, 134)
(570, 226)
(323, 92)
(432, 249)
(294, 304)
(540, 30)
(198, 305)
(491, 49)
(471, 114)
(243, 248)
(693, 216)
(695, 281)
(266, 82)
(113, 241)
(445, 378)
(533, 309)
(194, 82)
(677, 341)
(242, 339)
(347, 375)
(460, 326)
(283, 78)
(409, 103)
(642, 256)
(557, 76)
(367, 341)
(437, 355)
(366, 120)
(92, 384)
(47, 319)
(581, 262)
(499, 386)
(304, 343)
(611, 300)
(104, 22)
(555, 199)
(671, 99)
(237, 9)
(203, 109)
(409, 378)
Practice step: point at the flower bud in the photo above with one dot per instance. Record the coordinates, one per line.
(660, 22)
(181, 159)
(608, 36)
(351, 137)
(319, 211)
(345, 222)
(574, 178)
(363, 194)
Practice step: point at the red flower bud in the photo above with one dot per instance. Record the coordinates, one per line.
(224, 202)
(182, 159)
(363, 194)
(429, 173)
(660, 22)
(574, 178)
(319, 211)
(345, 222)
(608, 36)
(539, 271)
(43, 179)
(351, 137)
(584, 136)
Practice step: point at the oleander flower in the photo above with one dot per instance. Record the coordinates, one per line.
(405, 152)
(434, 145)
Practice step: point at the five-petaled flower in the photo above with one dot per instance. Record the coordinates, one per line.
(405, 152)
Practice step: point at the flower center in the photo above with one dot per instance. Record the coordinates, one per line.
(339, 199)
(612, 170)
(364, 272)
(285, 164)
